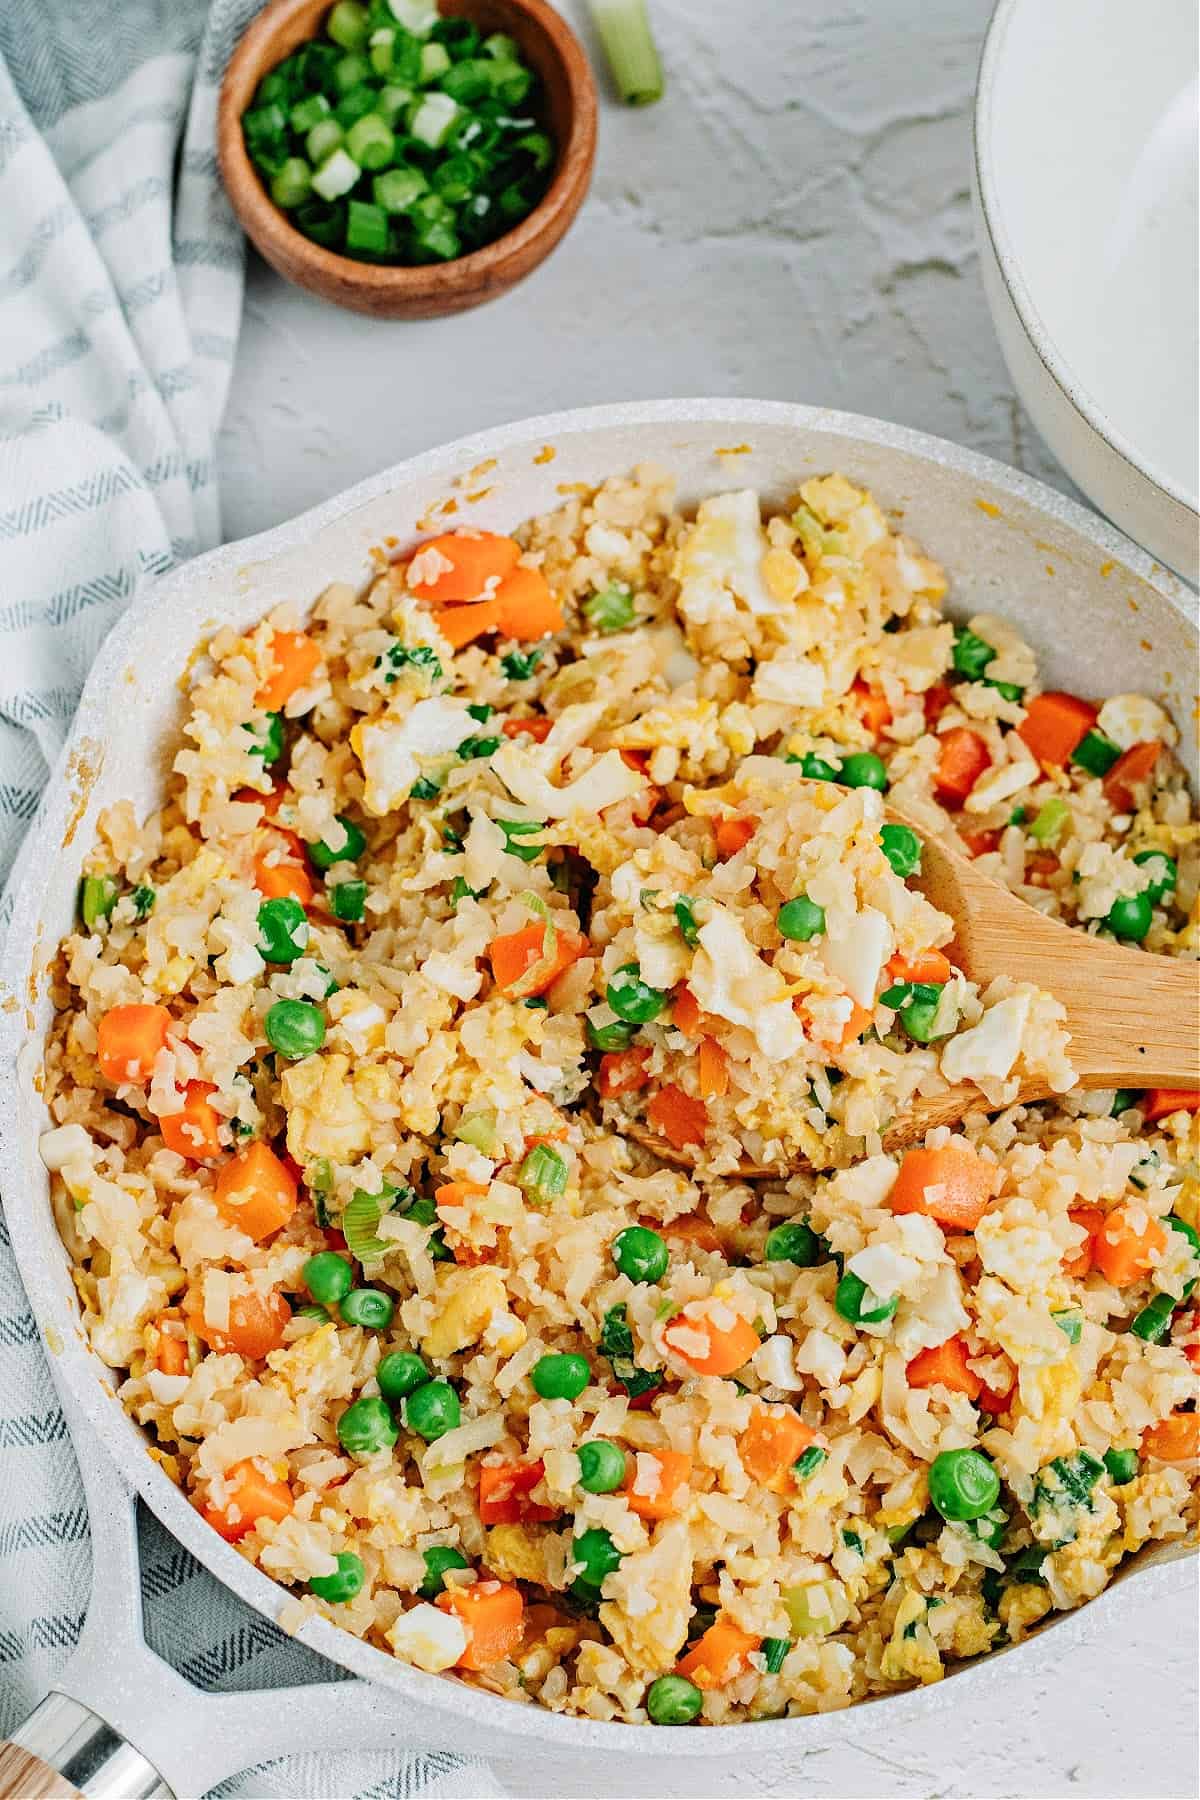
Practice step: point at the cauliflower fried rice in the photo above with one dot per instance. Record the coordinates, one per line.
(464, 882)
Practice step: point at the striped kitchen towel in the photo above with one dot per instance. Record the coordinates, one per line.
(120, 294)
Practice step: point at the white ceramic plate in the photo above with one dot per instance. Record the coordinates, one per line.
(1086, 178)
(1101, 617)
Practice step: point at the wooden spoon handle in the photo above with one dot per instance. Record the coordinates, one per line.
(1134, 1019)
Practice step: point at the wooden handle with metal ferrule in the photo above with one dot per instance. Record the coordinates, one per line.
(24, 1776)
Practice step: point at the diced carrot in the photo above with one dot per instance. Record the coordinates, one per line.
(718, 1656)
(945, 1365)
(772, 1441)
(1091, 1218)
(504, 1493)
(255, 1191)
(623, 1071)
(733, 835)
(1175, 1439)
(687, 1015)
(514, 955)
(712, 1070)
(693, 1228)
(936, 700)
(254, 1496)
(171, 1351)
(129, 1040)
(1160, 1103)
(461, 625)
(637, 760)
(953, 1185)
(1126, 1244)
(282, 870)
(872, 707)
(711, 1337)
(994, 1401)
(1041, 868)
(471, 559)
(964, 757)
(856, 1024)
(193, 1131)
(1055, 725)
(256, 1322)
(294, 660)
(457, 1193)
(528, 609)
(927, 966)
(493, 1613)
(1192, 1352)
(538, 729)
(677, 1116)
(653, 1481)
(1131, 770)
(270, 802)
(980, 843)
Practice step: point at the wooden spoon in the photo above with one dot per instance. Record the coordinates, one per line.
(1134, 1018)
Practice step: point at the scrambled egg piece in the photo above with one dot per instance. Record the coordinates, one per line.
(651, 1601)
(467, 1299)
(325, 1115)
(513, 1551)
(910, 1651)
(389, 749)
(729, 978)
(720, 561)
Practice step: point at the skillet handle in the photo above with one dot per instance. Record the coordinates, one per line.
(64, 1751)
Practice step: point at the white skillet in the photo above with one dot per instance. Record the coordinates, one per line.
(1103, 618)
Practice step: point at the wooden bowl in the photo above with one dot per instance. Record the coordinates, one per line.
(385, 290)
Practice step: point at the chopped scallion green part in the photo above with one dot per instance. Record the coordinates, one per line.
(543, 1174)
(610, 608)
(1050, 820)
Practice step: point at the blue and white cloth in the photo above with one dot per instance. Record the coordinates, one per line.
(121, 269)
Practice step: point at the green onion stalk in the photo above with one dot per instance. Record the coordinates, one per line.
(624, 28)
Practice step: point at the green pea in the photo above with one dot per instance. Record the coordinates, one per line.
(348, 901)
(1131, 917)
(1123, 1099)
(640, 1253)
(282, 929)
(367, 1426)
(295, 1028)
(815, 767)
(800, 919)
(322, 855)
(860, 1305)
(328, 1277)
(864, 769)
(633, 999)
(673, 1700)
(796, 1242)
(595, 1550)
(902, 848)
(1122, 1465)
(1166, 874)
(268, 743)
(344, 1583)
(601, 1466)
(971, 654)
(368, 1307)
(963, 1484)
(438, 1559)
(432, 1410)
(560, 1377)
(919, 1018)
(616, 1036)
(400, 1373)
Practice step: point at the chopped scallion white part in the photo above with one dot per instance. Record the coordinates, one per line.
(336, 175)
(432, 119)
(417, 16)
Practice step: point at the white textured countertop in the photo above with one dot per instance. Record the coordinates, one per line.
(791, 222)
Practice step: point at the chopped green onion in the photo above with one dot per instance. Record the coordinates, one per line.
(1122, 1465)
(360, 1221)
(435, 61)
(97, 897)
(323, 139)
(1164, 874)
(519, 665)
(1070, 1324)
(1123, 1099)
(371, 142)
(417, 16)
(478, 1130)
(336, 176)
(367, 229)
(809, 1461)
(542, 1175)
(1050, 820)
(685, 918)
(1153, 1323)
(348, 901)
(610, 608)
(624, 29)
(309, 112)
(424, 789)
(143, 901)
(474, 747)
(1095, 753)
(431, 118)
(775, 1650)
(347, 24)
(515, 829)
